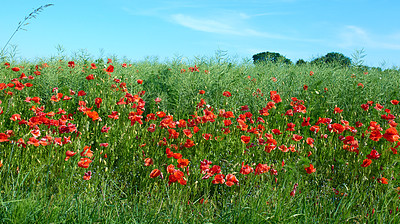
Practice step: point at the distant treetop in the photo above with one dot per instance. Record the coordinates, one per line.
(270, 57)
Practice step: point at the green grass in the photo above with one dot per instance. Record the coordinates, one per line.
(38, 185)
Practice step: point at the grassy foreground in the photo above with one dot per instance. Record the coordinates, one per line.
(206, 142)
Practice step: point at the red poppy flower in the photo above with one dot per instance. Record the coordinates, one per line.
(98, 101)
(207, 136)
(297, 137)
(394, 102)
(202, 91)
(366, 162)
(105, 129)
(69, 154)
(245, 139)
(87, 175)
(246, 169)
(84, 163)
(290, 127)
(261, 168)
(87, 152)
(373, 155)
(188, 133)
(310, 142)
(155, 173)
(219, 179)
(391, 135)
(182, 163)
(71, 64)
(15, 69)
(227, 94)
(110, 69)
(148, 162)
(306, 122)
(383, 180)
(231, 180)
(189, 143)
(90, 77)
(81, 93)
(337, 110)
(275, 97)
(4, 137)
(310, 169)
(104, 144)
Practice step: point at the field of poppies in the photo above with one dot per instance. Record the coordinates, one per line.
(206, 141)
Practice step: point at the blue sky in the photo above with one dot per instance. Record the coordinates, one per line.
(169, 29)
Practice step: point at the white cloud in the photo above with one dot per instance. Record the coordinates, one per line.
(353, 36)
(221, 26)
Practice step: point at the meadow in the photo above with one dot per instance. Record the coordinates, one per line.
(203, 141)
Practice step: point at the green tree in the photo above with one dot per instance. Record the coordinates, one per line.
(333, 58)
(270, 57)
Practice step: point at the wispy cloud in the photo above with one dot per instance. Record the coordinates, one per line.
(220, 26)
(353, 36)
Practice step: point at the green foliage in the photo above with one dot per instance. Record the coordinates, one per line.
(270, 57)
(300, 62)
(333, 58)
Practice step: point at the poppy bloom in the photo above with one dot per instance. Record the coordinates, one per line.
(310, 169)
(202, 91)
(104, 144)
(290, 127)
(110, 69)
(81, 93)
(148, 162)
(246, 169)
(373, 155)
(15, 69)
(188, 133)
(297, 137)
(227, 94)
(394, 102)
(310, 142)
(231, 180)
(383, 180)
(219, 179)
(189, 143)
(182, 163)
(105, 129)
(98, 101)
(139, 81)
(69, 154)
(155, 173)
(391, 135)
(366, 162)
(87, 152)
(90, 77)
(88, 175)
(337, 110)
(84, 163)
(306, 122)
(245, 139)
(261, 168)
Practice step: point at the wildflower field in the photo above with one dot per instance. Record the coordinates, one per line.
(206, 142)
